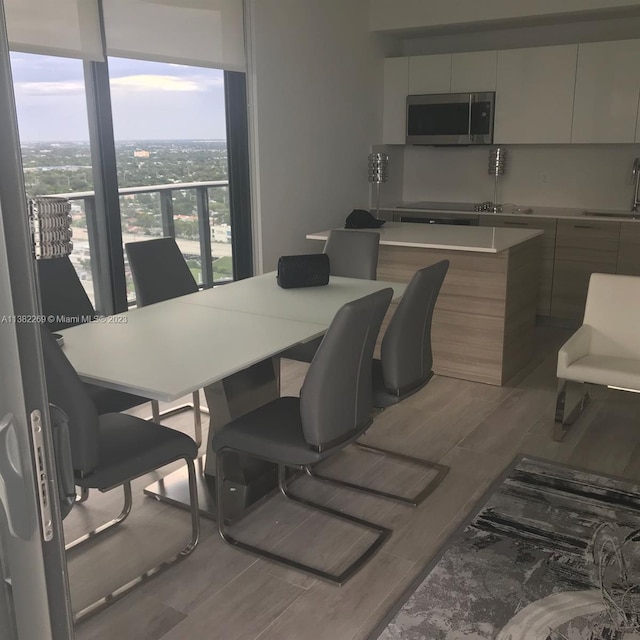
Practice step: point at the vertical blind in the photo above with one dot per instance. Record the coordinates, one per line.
(55, 27)
(206, 33)
(197, 32)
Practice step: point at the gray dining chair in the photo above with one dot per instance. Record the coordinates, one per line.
(352, 254)
(65, 304)
(109, 451)
(405, 367)
(333, 409)
(160, 273)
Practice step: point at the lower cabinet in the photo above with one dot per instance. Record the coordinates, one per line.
(573, 249)
(548, 225)
(629, 249)
(582, 248)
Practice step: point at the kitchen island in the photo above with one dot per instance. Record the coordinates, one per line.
(483, 324)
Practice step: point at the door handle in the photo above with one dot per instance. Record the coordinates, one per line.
(13, 495)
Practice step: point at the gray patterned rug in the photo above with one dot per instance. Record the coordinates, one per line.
(553, 553)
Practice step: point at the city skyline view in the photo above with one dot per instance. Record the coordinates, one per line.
(147, 100)
(169, 127)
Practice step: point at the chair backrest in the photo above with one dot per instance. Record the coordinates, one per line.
(405, 353)
(613, 313)
(159, 271)
(336, 397)
(353, 254)
(66, 391)
(62, 295)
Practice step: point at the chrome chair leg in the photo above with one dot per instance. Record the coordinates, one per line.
(195, 406)
(124, 514)
(83, 496)
(440, 469)
(562, 423)
(183, 553)
(340, 578)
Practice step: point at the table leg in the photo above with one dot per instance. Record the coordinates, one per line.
(250, 480)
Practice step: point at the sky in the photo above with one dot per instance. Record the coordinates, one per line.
(150, 100)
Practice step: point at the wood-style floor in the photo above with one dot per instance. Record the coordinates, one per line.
(220, 592)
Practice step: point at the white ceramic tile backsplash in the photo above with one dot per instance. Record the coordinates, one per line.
(595, 176)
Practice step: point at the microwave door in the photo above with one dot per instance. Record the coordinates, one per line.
(439, 119)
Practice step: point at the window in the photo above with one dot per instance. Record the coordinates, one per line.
(54, 136)
(169, 129)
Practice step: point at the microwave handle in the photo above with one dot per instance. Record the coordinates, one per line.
(469, 127)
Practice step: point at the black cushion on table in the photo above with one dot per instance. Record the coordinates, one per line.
(130, 447)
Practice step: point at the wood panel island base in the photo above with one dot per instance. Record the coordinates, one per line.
(483, 324)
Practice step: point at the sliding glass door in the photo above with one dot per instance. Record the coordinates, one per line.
(34, 594)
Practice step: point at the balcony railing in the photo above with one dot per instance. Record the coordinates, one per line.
(203, 246)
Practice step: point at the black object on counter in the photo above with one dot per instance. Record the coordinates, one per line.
(362, 219)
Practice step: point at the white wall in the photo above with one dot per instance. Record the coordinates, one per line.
(590, 176)
(407, 14)
(316, 92)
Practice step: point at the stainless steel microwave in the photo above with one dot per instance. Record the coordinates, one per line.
(451, 118)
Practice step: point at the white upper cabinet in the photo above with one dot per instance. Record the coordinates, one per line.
(430, 74)
(607, 89)
(475, 71)
(534, 94)
(396, 89)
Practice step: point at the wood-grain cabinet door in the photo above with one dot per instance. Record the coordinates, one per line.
(548, 225)
(629, 251)
(582, 248)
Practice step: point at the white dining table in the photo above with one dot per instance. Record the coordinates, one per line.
(225, 340)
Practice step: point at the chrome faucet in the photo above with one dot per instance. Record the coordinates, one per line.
(635, 172)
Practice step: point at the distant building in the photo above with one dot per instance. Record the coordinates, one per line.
(141, 154)
(221, 233)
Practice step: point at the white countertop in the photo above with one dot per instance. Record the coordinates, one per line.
(612, 215)
(447, 237)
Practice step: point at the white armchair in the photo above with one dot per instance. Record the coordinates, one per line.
(605, 350)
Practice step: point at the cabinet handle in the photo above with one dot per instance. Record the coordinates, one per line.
(585, 226)
(517, 224)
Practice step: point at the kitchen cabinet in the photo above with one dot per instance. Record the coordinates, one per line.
(430, 74)
(548, 225)
(606, 94)
(474, 71)
(629, 249)
(453, 73)
(396, 88)
(583, 247)
(534, 95)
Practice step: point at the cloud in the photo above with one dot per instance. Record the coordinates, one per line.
(155, 82)
(60, 88)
